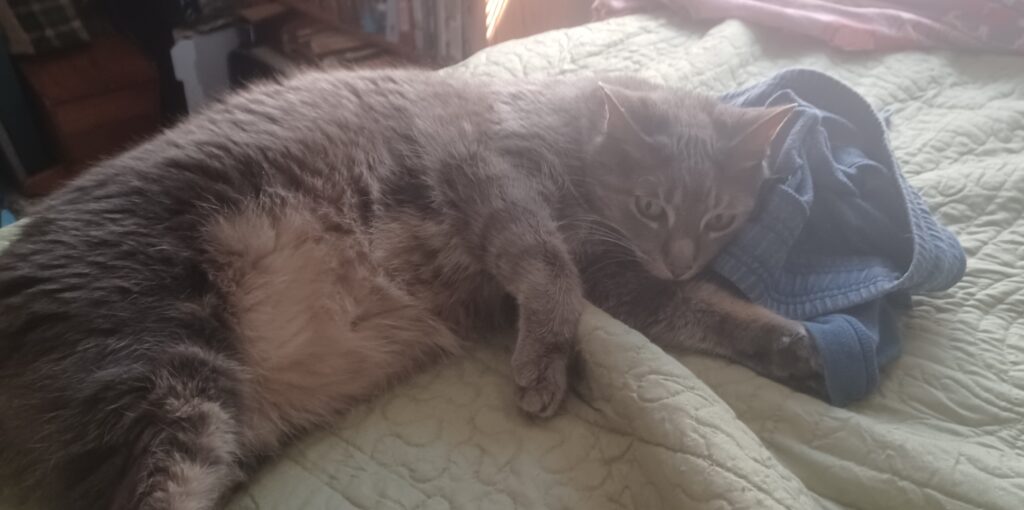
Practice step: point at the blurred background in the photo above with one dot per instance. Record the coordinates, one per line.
(82, 79)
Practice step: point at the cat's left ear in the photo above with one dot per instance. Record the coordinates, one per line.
(622, 111)
(751, 148)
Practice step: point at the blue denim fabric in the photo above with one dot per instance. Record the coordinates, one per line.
(841, 241)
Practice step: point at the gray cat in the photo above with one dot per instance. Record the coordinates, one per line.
(182, 310)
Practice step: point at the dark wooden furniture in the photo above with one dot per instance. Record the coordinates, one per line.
(96, 100)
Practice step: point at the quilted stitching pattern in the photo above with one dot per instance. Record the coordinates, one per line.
(452, 438)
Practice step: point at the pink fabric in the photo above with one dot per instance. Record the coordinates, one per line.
(863, 25)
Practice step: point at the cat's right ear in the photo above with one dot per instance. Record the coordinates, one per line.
(617, 119)
(751, 148)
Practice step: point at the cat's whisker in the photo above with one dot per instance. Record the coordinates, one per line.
(591, 270)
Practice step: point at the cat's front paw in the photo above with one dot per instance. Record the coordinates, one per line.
(541, 377)
(794, 351)
(794, 360)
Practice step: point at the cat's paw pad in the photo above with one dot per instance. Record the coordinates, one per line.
(541, 383)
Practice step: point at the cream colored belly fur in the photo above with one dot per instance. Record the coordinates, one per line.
(318, 329)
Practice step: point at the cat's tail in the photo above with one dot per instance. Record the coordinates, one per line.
(186, 451)
(158, 436)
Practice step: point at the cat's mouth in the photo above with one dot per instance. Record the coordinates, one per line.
(687, 275)
(659, 269)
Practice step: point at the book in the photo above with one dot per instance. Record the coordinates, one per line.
(430, 27)
(333, 42)
(373, 16)
(441, 22)
(391, 21)
(406, 34)
(455, 30)
(417, 26)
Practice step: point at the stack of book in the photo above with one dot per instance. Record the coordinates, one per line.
(285, 34)
(434, 31)
(281, 39)
(308, 40)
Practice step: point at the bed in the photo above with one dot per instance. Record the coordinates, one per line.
(649, 429)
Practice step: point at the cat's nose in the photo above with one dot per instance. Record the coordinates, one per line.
(681, 254)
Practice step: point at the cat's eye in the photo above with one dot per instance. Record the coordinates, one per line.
(649, 208)
(719, 222)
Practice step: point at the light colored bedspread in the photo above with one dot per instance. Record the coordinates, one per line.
(647, 430)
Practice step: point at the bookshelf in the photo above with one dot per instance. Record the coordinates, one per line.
(422, 32)
(346, 22)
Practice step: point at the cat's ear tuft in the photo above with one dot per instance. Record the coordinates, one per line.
(620, 106)
(751, 148)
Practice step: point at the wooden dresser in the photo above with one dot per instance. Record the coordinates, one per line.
(96, 100)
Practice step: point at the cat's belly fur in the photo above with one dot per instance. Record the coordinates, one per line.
(426, 260)
(325, 319)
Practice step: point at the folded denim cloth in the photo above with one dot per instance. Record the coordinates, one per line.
(843, 240)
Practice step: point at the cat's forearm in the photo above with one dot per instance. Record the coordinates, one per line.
(663, 312)
(702, 316)
(519, 245)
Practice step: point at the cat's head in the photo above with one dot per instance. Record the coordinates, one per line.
(678, 173)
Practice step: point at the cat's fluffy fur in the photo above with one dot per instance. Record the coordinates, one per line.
(181, 310)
